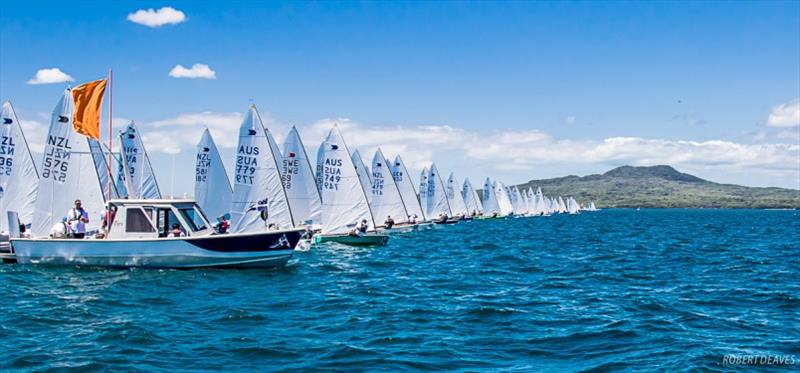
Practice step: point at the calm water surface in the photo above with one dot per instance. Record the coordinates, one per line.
(615, 289)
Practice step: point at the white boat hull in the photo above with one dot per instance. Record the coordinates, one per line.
(269, 249)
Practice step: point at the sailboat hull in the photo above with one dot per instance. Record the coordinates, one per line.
(256, 250)
(369, 239)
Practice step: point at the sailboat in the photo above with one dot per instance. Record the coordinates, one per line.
(299, 181)
(572, 206)
(385, 200)
(438, 208)
(592, 207)
(562, 207)
(259, 200)
(491, 207)
(471, 200)
(503, 199)
(212, 189)
(344, 200)
(423, 192)
(141, 180)
(407, 192)
(457, 205)
(19, 178)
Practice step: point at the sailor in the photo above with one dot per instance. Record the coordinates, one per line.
(363, 226)
(77, 218)
(223, 224)
(60, 229)
(389, 223)
(108, 218)
(176, 231)
(356, 231)
(413, 219)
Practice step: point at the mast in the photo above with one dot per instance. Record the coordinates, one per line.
(110, 131)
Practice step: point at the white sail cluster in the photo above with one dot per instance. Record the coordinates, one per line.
(270, 188)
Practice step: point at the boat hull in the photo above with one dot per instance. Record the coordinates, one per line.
(363, 240)
(252, 250)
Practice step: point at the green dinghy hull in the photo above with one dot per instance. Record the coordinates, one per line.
(346, 239)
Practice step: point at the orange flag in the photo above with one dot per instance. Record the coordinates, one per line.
(88, 99)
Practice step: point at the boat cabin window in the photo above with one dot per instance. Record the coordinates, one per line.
(166, 218)
(193, 218)
(137, 222)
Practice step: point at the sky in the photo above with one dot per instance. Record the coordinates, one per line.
(512, 90)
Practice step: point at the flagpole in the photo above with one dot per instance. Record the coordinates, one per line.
(110, 131)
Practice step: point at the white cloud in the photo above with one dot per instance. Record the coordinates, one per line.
(197, 70)
(49, 76)
(511, 155)
(157, 18)
(785, 115)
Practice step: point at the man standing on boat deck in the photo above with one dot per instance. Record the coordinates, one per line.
(77, 219)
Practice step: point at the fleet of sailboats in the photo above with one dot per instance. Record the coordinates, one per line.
(338, 199)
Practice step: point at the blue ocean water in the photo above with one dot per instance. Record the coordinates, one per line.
(615, 289)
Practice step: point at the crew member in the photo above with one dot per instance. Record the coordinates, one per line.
(77, 218)
(389, 223)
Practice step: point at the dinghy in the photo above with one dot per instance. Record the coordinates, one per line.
(491, 208)
(19, 179)
(385, 200)
(503, 200)
(344, 200)
(212, 189)
(457, 205)
(299, 182)
(471, 200)
(423, 193)
(572, 206)
(407, 192)
(438, 208)
(140, 178)
(141, 234)
(259, 200)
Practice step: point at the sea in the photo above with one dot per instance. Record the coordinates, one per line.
(617, 289)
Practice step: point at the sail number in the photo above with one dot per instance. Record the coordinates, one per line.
(332, 173)
(7, 147)
(56, 159)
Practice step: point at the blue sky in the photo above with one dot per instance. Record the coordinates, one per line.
(516, 90)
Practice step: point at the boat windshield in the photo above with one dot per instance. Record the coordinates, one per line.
(193, 217)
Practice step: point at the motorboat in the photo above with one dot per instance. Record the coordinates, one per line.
(159, 233)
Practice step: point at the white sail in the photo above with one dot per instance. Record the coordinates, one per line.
(100, 155)
(362, 170)
(212, 189)
(503, 200)
(257, 187)
(19, 179)
(572, 205)
(423, 193)
(490, 204)
(68, 173)
(454, 197)
(141, 180)
(406, 187)
(298, 179)
(471, 200)
(385, 197)
(562, 207)
(516, 200)
(437, 197)
(344, 201)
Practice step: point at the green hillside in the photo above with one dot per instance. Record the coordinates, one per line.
(663, 186)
